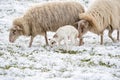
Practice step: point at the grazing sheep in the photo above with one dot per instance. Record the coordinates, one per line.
(65, 33)
(103, 14)
(45, 17)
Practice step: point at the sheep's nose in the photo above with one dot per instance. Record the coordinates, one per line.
(52, 42)
(11, 40)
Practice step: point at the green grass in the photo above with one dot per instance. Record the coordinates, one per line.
(85, 60)
(69, 52)
(101, 63)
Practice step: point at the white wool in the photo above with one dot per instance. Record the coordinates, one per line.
(66, 33)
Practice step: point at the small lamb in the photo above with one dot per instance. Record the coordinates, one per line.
(65, 33)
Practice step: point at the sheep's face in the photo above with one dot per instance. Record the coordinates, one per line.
(52, 42)
(82, 27)
(15, 32)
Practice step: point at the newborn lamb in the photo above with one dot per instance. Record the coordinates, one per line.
(65, 33)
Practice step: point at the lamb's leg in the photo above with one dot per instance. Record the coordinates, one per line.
(110, 35)
(101, 42)
(118, 35)
(31, 40)
(46, 40)
(72, 40)
(66, 43)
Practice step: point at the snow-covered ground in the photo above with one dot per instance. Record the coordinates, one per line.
(91, 61)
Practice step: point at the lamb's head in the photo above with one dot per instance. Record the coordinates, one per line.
(83, 27)
(15, 32)
(53, 41)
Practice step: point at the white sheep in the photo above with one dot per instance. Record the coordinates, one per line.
(101, 15)
(65, 33)
(45, 17)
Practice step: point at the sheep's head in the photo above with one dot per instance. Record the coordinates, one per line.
(53, 41)
(82, 27)
(15, 32)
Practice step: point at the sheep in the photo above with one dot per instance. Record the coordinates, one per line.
(45, 17)
(67, 32)
(101, 15)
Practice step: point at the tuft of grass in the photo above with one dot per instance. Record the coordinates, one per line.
(63, 70)
(106, 64)
(84, 50)
(1, 54)
(65, 51)
(85, 60)
(91, 63)
(43, 69)
(7, 67)
(118, 76)
(111, 56)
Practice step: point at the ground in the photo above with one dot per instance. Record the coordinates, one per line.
(91, 61)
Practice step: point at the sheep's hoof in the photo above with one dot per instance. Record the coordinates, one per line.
(29, 46)
(47, 45)
(115, 41)
(101, 43)
(81, 43)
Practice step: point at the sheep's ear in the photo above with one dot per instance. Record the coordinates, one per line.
(83, 25)
(86, 23)
(55, 36)
(76, 23)
(18, 28)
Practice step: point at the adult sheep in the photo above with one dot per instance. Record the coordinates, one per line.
(101, 15)
(45, 17)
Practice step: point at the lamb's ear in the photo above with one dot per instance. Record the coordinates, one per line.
(55, 36)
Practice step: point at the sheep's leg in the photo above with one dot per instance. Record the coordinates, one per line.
(101, 41)
(46, 40)
(110, 35)
(66, 43)
(76, 42)
(31, 40)
(118, 35)
(81, 41)
(73, 40)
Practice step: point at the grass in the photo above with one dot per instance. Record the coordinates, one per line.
(85, 60)
(101, 63)
(65, 51)
(1, 53)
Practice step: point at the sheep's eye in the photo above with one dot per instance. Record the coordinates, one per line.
(53, 42)
(14, 32)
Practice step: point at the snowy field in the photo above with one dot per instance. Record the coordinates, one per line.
(91, 61)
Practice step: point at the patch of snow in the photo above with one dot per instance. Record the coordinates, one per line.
(91, 61)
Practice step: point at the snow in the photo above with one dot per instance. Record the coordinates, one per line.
(91, 61)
